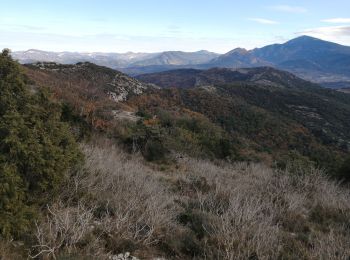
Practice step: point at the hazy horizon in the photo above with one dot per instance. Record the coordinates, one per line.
(156, 26)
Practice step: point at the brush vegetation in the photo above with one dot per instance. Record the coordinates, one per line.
(192, 210)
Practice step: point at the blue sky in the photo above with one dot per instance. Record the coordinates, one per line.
(158, 25)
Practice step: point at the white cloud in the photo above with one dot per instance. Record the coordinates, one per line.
(339, 34)
(289, 8)
(330, 30)
(20, 27)
(337, 20)
(263, 21)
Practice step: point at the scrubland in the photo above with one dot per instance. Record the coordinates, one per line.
(191, 209)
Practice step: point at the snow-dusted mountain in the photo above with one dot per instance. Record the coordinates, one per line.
(112, 60)
(116, 60)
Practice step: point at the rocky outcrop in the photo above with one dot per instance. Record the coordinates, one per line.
(124, 86)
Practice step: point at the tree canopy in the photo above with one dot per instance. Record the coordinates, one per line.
(36, 148)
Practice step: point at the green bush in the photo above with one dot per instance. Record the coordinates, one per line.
(154, 150)
(344, 171)
(294, 162)
(36, 149)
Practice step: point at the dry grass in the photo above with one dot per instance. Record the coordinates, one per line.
(10, 250)
(198, 210)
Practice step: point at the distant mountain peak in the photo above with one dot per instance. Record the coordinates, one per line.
(34, 51)
(204, 51)
(238, 50)
(237, 58)
(305, 39)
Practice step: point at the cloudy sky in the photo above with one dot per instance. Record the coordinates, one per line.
(158, 25)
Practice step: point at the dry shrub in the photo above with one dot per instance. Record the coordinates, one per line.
(64, 227)
(134, 204)
(115, 202)
(10, 250)
(198, 210)
(332, 245)
(268, 213)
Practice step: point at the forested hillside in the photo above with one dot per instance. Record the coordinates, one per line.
(258, 114)
(274, 109)
(97, 165)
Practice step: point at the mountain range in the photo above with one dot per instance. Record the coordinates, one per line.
(117, 60)
(312, 59)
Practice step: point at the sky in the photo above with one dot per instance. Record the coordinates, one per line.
(160, 25)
